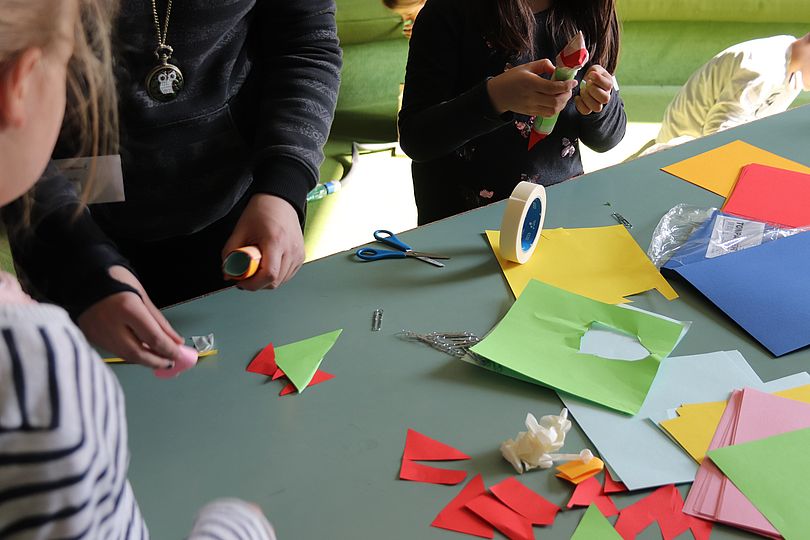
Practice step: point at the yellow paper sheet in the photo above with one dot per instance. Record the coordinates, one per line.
(602, 263)
(122, 361)
(696, 423)
(717, 170)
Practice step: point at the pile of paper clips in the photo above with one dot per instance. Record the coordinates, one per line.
(453, 343)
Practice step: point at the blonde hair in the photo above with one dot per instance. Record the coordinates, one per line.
(91, 115)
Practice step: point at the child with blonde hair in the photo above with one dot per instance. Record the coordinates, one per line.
(63, 436)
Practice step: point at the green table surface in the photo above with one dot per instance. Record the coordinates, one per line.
(325, 464)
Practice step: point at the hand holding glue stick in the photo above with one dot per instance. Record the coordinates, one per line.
(569, 62)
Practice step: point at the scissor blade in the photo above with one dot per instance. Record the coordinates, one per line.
(429, 260)
(429, 255)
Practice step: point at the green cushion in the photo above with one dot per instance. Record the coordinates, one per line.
(755, 11)
(361, 21)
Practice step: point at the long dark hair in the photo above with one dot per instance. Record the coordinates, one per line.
(510, 26)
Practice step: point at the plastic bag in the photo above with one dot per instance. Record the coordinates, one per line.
(689, 234)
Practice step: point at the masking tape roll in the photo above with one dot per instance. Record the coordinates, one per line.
(523, 222)
(242, 263)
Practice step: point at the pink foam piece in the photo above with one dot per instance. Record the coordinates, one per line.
(186, 359)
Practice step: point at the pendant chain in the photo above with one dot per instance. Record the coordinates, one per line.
(163, 51)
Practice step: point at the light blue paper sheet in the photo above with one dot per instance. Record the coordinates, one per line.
(642, 455)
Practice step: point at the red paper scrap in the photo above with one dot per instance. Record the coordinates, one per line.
(318, 378)
(664, 506)
(525, 502)
(589, 492)
(771, 195)
(278, 374)
(611, 485)
(456, 517)
(510, 523)
(264, 363)
(416, 472)
(420, 447)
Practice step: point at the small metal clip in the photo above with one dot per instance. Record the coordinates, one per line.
(620, 218)
(376, 320)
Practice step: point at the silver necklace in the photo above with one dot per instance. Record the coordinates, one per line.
(165, 81)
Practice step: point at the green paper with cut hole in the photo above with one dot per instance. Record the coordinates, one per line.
(773, 475)
(595, 526)
(540, 338)
(300, 360)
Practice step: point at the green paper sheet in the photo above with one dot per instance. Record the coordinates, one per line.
(300, 360)
(540, 338)
(595, 526)
(773, 474)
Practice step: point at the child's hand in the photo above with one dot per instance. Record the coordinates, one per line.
(131, 327)
(596, 93)
(271, 224)
(520, 90)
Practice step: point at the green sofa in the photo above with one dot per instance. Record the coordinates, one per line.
(663, 42)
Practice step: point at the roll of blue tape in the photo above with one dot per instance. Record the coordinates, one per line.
(523, 222)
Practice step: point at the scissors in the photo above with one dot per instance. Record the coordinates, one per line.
(403, 250)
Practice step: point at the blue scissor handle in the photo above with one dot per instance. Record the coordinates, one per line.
(387, 237)
(371, 254)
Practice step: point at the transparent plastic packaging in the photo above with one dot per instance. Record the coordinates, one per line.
(689, 233)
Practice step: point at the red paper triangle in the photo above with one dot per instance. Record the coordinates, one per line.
(510, 523)
(420, 447)
(535, 138)
(318, 378)
(525, 502)
(611, 485)
(278, 374)
(456, 517)
(416, 472)
(664, 506)
(264, 363)
(589, 492)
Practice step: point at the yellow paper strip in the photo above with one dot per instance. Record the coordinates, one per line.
(577, 471)
(115, 360)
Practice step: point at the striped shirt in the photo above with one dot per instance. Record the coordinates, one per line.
(63, 441)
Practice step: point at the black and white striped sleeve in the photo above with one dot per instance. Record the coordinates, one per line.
(231, 519)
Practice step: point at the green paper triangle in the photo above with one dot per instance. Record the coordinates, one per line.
(300, 360)
(595, 526)
(773, 474)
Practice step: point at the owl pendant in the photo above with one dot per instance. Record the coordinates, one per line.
(164, 82)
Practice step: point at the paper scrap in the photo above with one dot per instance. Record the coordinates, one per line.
(594, 526)
(300, 360)
(417, 472)
(602, 263)
(665, 507)
(771, 195)
(611, 485)
(319, 377)
(510, 523)
(694, 427)
(419, 447)
(577, 471)
(539, 338)
(265, 362)
(717, 170)
(590, 492)
(457, 517)
(771, 474)
(525, 502)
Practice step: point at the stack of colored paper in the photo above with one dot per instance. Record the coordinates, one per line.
(765, 487)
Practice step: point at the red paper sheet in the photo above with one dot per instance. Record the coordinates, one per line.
(590, 492)
(525, 502)
(611, 485)
(416, 472)
(664, 506)
(510, 523)
(264, 363)
(771, 195)
(420, 447)
(456, 517)
(278, 374)
(318, 378)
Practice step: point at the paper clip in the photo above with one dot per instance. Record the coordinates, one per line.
(376, 320)
(620, 218)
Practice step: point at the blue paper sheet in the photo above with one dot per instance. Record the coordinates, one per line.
(642, 455)
(765, 290)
